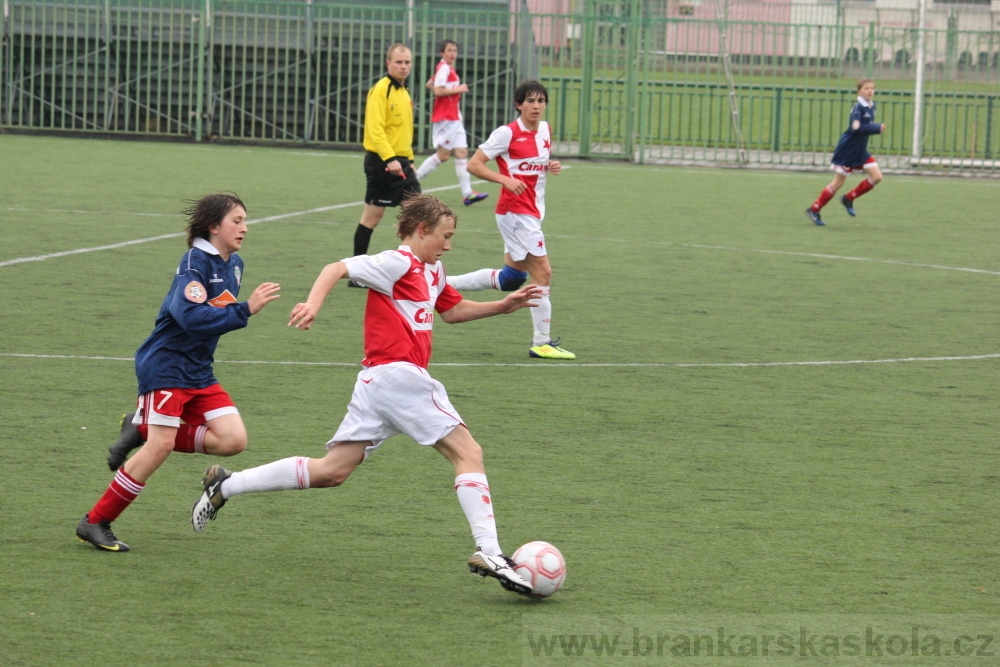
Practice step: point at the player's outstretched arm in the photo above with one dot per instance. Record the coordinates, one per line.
(304, 314)
(466, 310)
(477, 167)
(263, 295)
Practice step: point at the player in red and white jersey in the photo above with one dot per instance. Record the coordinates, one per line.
(394, 393)
(448, 132)
(521, 150)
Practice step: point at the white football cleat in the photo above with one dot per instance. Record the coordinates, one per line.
(500, 568)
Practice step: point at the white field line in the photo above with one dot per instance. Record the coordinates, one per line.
(82, 212)
(284, 216)
(562, 364)
(113, 246)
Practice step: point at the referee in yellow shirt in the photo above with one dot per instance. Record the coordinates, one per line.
(388, 145)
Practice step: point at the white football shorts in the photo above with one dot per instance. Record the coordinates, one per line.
(522, 235)
(844, 170)
(449, 134)
(396, 398)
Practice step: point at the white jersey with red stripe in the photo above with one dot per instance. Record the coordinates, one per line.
(403, 297)
(524, 155)
(446, 107)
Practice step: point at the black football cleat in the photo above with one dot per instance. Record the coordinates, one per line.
(99, 534)
(128, 440)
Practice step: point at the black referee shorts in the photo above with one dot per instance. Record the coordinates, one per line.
(384, 188)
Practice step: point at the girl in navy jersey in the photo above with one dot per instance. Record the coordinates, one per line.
(394, 393)
(522, 152)
(851, 154)
(174, 365)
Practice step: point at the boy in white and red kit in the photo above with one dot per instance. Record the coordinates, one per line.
(448, 132)
(521, 150)
(394, 393)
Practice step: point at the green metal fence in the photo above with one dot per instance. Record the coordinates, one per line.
(633, 83)
(713, 81)
(219, 69)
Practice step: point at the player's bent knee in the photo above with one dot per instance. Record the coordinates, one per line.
(511, 279)
(329, 479)
(233, 448)
(470, 454)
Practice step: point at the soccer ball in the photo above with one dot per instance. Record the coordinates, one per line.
(542, 566)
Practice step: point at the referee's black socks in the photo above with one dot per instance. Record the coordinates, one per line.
(362, 236)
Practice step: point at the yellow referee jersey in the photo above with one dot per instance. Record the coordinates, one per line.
(389, 120)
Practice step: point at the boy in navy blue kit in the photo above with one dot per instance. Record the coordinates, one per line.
(851, 155)
(174, 365)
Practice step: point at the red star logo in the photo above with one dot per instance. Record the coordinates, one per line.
(546, 144)
(541, 244)
(437, 278)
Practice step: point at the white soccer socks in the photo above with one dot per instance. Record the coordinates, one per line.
(474, 495)
(290, 473)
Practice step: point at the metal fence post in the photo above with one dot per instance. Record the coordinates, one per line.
(423, 69)
(988, 152)
(590, 15)
(776, 131)
(870, 57)
(916, 150)
(5, 57)
(200, 84)
(633, 46)
(310, 45)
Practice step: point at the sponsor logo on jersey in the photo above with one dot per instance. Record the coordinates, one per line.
(215, 278)
(195, 291)
(223, 300)
(423, 316)
(534, 166)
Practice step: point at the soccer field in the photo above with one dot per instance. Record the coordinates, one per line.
(768, 423)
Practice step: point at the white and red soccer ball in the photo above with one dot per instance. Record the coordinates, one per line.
(542, 566)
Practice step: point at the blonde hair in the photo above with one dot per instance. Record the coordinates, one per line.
(417, 208)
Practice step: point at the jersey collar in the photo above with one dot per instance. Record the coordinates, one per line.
(863, 102)
(407, 250)
(202, 244)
